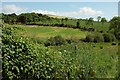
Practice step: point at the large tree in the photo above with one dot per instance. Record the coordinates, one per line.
(90, 20)
(103, 20)
(98, 18)
(115, 25)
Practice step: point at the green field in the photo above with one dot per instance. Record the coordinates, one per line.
(46, 32)
(76, 43)
(102, 60)
(69, 60)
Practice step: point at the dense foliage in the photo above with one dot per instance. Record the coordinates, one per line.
(97, 37)
(57, 57)
(18, 55)
(24, 60)
(115, 24)
(108, 37)
(55, 41)
(83, 24)
(46, 20)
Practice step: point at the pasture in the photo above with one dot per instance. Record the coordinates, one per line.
(46, 32)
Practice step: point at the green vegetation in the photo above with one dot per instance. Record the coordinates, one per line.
(44, 20)
(46, 32)
(37, 46)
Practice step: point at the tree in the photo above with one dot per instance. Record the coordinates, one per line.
(103, 20)
(90, 21)
(78, 24)
(108, 37)
(66, 18)
(14, 18)
(115, 25)
(98, 18)
(62, 20)
(22, 18)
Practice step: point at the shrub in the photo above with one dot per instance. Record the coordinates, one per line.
(113, 43)
(101, 47)
(22, 60)
(89, 38)
(55, 41)
(69, 41)
(108, 37)
(98, 38)
(18, 56)
(101, 31)
(94, 38)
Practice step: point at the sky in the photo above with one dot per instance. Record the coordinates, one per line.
(69, 9)
(59, 0)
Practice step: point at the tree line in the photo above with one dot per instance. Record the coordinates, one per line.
(40, 19)
(45, 20)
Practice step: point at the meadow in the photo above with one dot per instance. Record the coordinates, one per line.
(47, 32)
(35, 51)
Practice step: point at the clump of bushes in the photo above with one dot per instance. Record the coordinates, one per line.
(98, 38)
(55, 41)
(113, 43)
(18, 56)
(94, 38)
(69, 40)
(23, 60)
(108, 37)
(89, 38)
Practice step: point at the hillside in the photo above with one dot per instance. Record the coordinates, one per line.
(50, 20)
(36, 46)
(57, 16)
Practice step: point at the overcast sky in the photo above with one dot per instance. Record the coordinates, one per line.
(70, 9)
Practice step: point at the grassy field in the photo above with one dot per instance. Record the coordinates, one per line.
(46, 32)
(101, 57)
(97, 60)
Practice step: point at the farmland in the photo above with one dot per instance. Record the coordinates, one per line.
(46, 32)
(58, 48)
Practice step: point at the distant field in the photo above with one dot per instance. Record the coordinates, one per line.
(46, 32)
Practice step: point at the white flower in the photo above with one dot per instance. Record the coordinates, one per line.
(47, 52)
(59, 52)
(65, 51)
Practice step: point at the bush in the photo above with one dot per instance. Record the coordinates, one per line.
(101, 47)
(118, 43)
(89, 38)
(113, 43)
(69, 41)
(22, 60)
(108, 37)
(101, 31)
(55, 41)
(98, 38)
(18, 56)
(94, 38)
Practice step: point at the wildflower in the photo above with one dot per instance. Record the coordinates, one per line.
(59, 52)
(65, 51)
